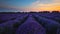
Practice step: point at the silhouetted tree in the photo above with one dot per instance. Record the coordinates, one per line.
(55, 11)
(46, 11)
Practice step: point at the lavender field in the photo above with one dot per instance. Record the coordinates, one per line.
(30, 23)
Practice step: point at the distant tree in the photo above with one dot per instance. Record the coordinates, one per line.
(32, 12)
(45, 11)
(55, 11)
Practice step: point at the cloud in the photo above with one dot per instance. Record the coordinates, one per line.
(36, 6)
(56, 1)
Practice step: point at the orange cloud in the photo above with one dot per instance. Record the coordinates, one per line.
(37, 6)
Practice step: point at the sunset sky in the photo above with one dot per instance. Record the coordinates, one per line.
(30, 5)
